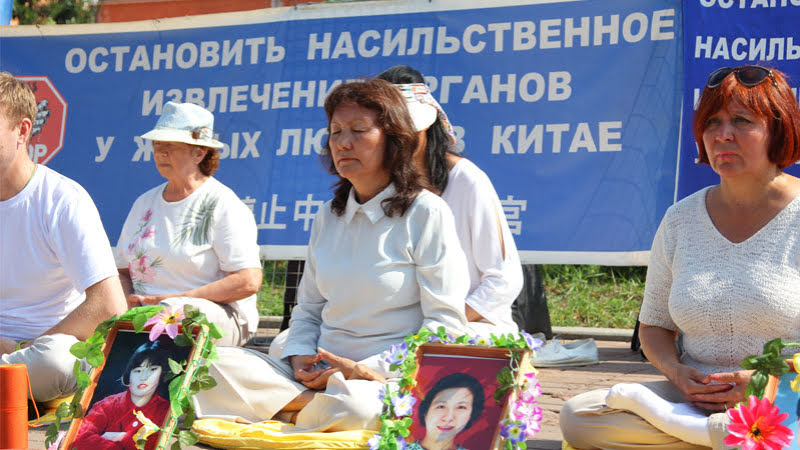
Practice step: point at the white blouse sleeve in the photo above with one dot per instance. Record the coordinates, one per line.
(304, 327)
(655, 307)
(441, 269)
(500, 278)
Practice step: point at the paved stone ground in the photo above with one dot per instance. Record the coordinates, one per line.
(617, 364)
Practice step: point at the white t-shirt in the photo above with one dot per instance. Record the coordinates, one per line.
(370, 280)
(53, 248)
(727, 298)
(494, 282)
(172, 247)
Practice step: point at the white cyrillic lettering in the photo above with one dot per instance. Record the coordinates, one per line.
(69, 60)
(180, 55)
(149, 104)
(396, 42)
(196, 96)
(324, 47)
(606, 135)
(313, 141)
(758, 49)
(140, 59)
(238, 95)
(286, 135)
(627, 27)
(773, 43)
(417, 35)
(735, 53)
(792, 51)
(280, 94)
(582, 139)
(558, 87)
(298, 93)
(220, 92)
(549, 28)
(509, 88)
(570, 31)
(726, 3)
(446, 44)
(118, 52)
(663, 18)
(447, 80)
(501, 138)
(254, 43)
(93, 66)
(144, 149)
(708, 3)
(524, 38)
(232, 52)
(721, 50)
(365, 52)
(556, 129)
(468, 32)
(262, 98)
(167, 56)
(175, 94)
(275, 52)
(209, 53)
(699, 45)
(524, 139)
(104, 145)
(475, 90)
(525, 93)
(498, 29)
(344, 46)
(460, 143)
(324, 90)
(250, 144)
(612, 30)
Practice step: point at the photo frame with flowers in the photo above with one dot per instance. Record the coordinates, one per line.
(145, 367)
(492, 377)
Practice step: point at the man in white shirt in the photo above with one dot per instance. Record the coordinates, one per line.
(58, 279)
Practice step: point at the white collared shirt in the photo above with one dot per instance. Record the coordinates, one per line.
(371, 279)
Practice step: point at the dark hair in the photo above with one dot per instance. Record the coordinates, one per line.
(157, 353)
(401, 140)
(438, 142)
(455, 380)
(774, 104)
(210, 162)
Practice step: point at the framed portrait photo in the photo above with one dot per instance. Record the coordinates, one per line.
(457, 399)
(780, 391)
(129, 394)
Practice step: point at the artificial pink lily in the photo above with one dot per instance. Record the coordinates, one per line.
(167, 320)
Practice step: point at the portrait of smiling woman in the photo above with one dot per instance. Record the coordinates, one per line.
(451, 406)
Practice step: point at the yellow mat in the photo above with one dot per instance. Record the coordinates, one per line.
(227, 434)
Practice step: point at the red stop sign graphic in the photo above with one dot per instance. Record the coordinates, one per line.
(49, 125)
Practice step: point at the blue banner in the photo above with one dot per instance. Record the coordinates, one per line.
(570, 107)
(732, 33)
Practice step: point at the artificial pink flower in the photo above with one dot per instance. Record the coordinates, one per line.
(166, 319)
(757, 426)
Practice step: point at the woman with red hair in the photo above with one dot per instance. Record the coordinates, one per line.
(724, 272)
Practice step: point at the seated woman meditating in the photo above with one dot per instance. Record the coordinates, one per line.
(383, 261)
(495, 273)
(191, 240)
(723, 271)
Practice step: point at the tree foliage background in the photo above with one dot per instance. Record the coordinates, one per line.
(48, 12)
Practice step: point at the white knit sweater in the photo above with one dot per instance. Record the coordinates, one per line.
(728, 299)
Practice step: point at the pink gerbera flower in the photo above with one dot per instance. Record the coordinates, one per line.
(166, 319)
(757, 426)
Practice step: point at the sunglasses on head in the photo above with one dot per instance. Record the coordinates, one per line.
(746, 75)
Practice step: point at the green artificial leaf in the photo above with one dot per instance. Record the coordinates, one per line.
(206, 382)
(522, 445)
(773, 347)
(190, 311)
(141, 443)
(138, 322)
(508, 445)
(79, 350)
(750, 362)
(51, 434)
(63, 410)
(187, 437)
(95, 340)
(77, 368)
(215, 331)
(176, 446)
(175, 367)
(758, 381)
(174, 391)
(183, 341)
(82, 378)
(95, 358)
(188, 418)
(77, 410)
(212, 355)
(194, 388)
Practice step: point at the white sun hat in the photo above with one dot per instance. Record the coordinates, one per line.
(424, 109)
(185, 122)
(422, 114)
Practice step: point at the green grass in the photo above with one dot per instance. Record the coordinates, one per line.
(594, 296)
(589, 296)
